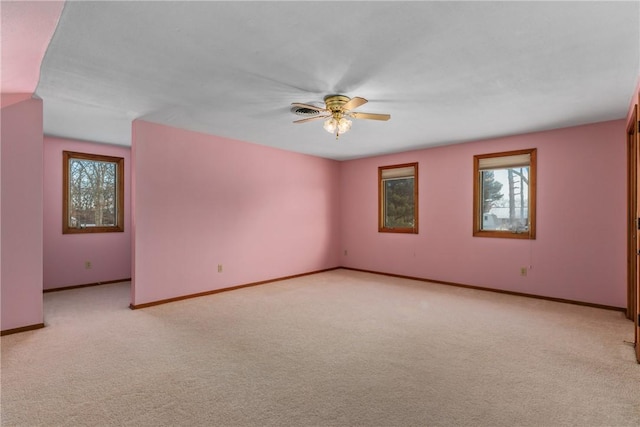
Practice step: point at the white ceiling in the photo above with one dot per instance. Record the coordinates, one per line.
(447, 72)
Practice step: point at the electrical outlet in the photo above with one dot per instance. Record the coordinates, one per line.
(219, 268)
(87, 265)
(523, 271)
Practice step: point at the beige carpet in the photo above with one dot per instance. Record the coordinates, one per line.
(340, 348)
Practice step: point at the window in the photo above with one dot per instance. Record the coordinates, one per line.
(398, 198)
(504, 193)
(93, 193)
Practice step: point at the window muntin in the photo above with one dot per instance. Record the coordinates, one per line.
(93, 193)
(398, 198)
(505, 194)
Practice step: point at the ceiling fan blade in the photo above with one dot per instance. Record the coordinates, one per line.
(310, 107)
(310, 119)
(370, 116)
(354, 103)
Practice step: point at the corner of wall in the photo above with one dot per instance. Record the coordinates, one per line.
(21, 209)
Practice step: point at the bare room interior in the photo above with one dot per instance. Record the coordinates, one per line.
(320, 213)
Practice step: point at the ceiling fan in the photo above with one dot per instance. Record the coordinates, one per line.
(338, 111)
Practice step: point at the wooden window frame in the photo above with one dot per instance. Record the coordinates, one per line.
(382, 228)
(477, 197)
(67, 156)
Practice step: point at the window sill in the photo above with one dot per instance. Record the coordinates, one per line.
(505, 235)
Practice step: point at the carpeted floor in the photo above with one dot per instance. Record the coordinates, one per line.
(340, 348)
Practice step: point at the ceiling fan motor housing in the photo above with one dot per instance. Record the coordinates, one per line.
(335, 102)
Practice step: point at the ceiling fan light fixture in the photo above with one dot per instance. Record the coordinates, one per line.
(344, 125)
(330, 125)
(337, 126)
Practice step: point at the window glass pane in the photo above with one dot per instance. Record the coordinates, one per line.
(505, 199)
(399, 206)
(92, 193)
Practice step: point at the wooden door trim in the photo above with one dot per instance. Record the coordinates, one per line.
(633, 280)
(632, 214)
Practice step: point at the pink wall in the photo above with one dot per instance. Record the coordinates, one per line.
(21, 207)
(27, 28)
(201, 200)
(65, 254)
(580, 250)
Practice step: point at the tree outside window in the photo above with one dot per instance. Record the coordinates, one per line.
(93, 193)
